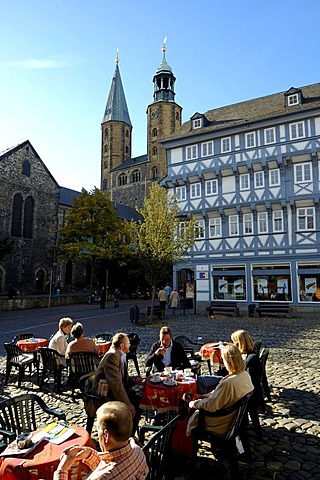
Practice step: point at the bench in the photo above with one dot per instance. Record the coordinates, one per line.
(223, 308)
(275, 308)
(157, 312)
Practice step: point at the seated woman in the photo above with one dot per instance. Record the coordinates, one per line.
(59, 340)
(245, 344)
(80, 343)
(229, 390)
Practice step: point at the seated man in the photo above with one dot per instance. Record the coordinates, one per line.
(113, 368)
(80, 343)
(229, 390)
(167, 352)
(120, 457)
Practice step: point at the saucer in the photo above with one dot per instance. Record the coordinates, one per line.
(170, 384)
(154, 380)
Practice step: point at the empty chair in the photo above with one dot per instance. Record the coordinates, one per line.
(158, 449)
(264, 381)
(224, 446)
(106, 336)
(18, 359)
(22, 336)
(51, 363)
(20, 414)
(189, 347)
(91, 402)
(81, 363)
(132, 354)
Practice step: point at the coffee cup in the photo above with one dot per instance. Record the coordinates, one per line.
(156, 377)
(187, 372)
(168, 370)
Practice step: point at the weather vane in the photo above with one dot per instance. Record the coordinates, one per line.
(164, 48)
(117, 58)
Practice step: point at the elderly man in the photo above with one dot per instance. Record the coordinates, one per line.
(120, 457)
(113, 368)
(167, 352)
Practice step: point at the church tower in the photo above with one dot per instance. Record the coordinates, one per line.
(116, 130)
(164, 118)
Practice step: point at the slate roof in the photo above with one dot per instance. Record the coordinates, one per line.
(124, 212)
(250, 111)
(116, 108)
(132, 162)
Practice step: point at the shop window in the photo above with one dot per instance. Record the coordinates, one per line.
(309, 283)
(272, 283)
(229, 283)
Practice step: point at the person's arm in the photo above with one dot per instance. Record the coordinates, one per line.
(72, 455)
(152, 357)
(220, 397)
(61, 344)
(112, 374)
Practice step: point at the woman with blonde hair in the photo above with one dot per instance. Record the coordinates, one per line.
(244, 342)
(230, 389)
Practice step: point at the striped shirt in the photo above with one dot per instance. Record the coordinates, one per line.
(126, 463)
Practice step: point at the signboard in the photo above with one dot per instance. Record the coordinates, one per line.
(203, 275)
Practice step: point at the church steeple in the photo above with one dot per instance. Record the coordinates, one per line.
(116, 130)
(164, 79)
(116, 108)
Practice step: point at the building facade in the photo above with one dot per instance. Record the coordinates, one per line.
(127, 178)
(249, 173)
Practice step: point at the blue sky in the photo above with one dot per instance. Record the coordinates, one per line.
(57, 62)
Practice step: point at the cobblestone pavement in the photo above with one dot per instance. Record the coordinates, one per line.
(291, 426)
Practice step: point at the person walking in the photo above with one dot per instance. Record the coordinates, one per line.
(162, 297)
(168, 291)
(117, 296)
(103, 297)
(174, 300)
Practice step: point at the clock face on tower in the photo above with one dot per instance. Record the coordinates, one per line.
(155, 113)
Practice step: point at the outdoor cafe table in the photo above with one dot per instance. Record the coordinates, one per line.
(162, 398)
(32, 344)
(41, 462)
(102, 347)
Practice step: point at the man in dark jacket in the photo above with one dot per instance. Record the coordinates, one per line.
(167, 352)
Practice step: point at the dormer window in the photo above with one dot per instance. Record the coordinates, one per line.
(293, 100)
(293, 97)
(197, 123)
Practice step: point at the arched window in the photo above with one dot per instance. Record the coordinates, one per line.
(177, 116)
(135, 176)
(106, 134)
(40, 277)
(154, 151)
(154, 132)
(28, 218)
(16, 216)
(104, 185)
(105, 165)
(127, 149)
(122, 179)
(106, 149)
(127, 133)
(26, 168)
(154, 172)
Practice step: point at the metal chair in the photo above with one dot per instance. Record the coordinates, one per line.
(51, 362)
(158, 448)
(91, 402)
(132, 354)
(106, 336)
(189, 347)
(19, 359)
(20, 414)
(264, 381)
(224, 446)
(22, 336)
(81, 363)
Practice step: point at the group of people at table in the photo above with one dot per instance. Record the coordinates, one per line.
(118, 418)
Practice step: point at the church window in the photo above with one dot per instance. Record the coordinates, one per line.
(104, 185)
(165, 82)
(154, 172)
(127, 150)
(122, 179)
(225, 144)
(106, 134)
(154, 151)
(27, 150)
(127, 133)
(106, 149)
(154, 132)
(135, 176)
(28, 218)
(26, 168)
(105, 165)
(16, 216)
(177, 116)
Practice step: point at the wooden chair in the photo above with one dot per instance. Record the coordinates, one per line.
(132, 354)
(264, 380)
(158, 448)
(51, 362)
(22, 336)
(81, 363)
(18, 359)
(20, 414)
(225, 445)
(91, 402)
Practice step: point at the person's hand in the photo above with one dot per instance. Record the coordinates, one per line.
(160, 351)
(131, 409)
(72, 455)
(191, 404)
(137, 379)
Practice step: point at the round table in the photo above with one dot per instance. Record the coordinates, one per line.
(103, 347)
(32, 344)
(162, 398)
(43, 460)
